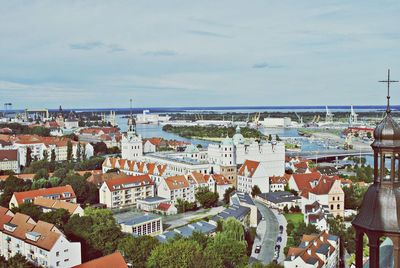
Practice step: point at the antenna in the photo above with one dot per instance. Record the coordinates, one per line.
(130, 105)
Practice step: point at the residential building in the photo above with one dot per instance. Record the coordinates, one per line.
(112, 260)
(278, 183)
(319, 250)
(64, 193)
(124, 191)
(253, 173)
(147, 224)
(280, 199)
(203, 227)
(317, 215)
(41, 243)
(48, 205)
(149, 204)
(166, 209)
(9, 160)
(328, 192)
(221, 184)
(176, 187)
(111, 136)
(152, 145)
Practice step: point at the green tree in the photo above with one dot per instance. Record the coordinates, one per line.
(18, 261)
(136, 250)
(53, 156)
(69, 150)
(78, 152)
(206, 198)
(28, 157)
(60, 173)
(86, 192)
(41, 174)
(227, 194)
(179, 253)
(58, 217)
(45, 155)
(54, 181)
(29, 209)
(83, 152)
(10, 185)
(40, 183)
(255, 191)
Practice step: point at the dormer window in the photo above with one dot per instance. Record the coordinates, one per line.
(10, 227)
(67, 194)
(33, 236)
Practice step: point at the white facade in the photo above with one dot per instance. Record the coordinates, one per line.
(236, 150)
(277, 122)
(41, 243)
(254, 173)
(148, 147)
(9, 160)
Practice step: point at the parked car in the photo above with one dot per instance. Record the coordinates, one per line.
(258, 249)
(277, 247)
(280, 229)
(279, 239)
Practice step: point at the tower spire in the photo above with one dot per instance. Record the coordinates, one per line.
(388, 81)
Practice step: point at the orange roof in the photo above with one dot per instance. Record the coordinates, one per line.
(155, 141)
(49, 234)
(197, 177)
(163, 206)
(278, 180)
(60, 190)
(323, 186)
(127, 182)
(220, 179)
(161, 169)
(55, 204)
(303, 180)
(250, 166)
(114, 260)
(177, 182)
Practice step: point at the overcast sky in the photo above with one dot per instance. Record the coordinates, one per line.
(197, 53)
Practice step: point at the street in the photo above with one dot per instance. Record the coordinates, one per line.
(267, 232)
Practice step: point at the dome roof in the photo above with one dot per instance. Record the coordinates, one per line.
(191, 149)
(238, 137)
(380, 209)
(227, 141)
(387, 133)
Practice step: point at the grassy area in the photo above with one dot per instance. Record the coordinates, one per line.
(295, 218)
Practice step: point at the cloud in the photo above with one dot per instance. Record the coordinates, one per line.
(87, 45)
(207, 33)
(160, 53)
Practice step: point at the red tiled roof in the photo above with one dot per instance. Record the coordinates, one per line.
(303, 180)
(278, 180)
(155, 141)
(323, 186)
(60, 190)
(220, 179)
(250, 166)
(114, 260)
(163, 206)
(129, 182)
(8, 155)
(177, 182)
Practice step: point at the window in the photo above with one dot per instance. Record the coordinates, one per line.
(333, 198)
(57, 253)
(338, 206)
(338, 198)
(57, 263)
(331, 207)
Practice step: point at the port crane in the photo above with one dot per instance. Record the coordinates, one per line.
(329, 116)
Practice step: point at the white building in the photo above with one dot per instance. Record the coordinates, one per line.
(253, 173)
(40, 242)
(277, 122)
(143, 225)
(176, 187)
(320, 250)
(317, 215)
(221, 184)
(280, 200)
(124, 191)
(131, 143)
(236, 150)
(48, 205)
(9, 160)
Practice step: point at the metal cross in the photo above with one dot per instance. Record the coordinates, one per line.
(388, 81)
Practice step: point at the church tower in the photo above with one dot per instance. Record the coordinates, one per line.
(131, 143)
(379, 215)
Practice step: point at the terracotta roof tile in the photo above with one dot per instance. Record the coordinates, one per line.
(114, 260)
(60, 190)
(177, 182)
(128, 182)
(249, 166)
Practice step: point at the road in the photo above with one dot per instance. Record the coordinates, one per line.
(267, 232)
(281, 221)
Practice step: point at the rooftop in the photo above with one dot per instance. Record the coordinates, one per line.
(279, 197)
(140, 219)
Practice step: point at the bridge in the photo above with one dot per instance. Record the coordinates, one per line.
(329, 154)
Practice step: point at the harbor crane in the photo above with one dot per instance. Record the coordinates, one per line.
(329, 116)
(7, 107)
(353, 116)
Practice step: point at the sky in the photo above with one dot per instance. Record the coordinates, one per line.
(98, 54)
